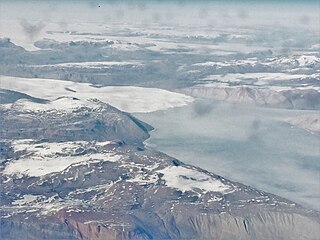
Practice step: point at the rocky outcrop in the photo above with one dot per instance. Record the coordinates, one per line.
(307, 99)
(31, 228)
(309, 122)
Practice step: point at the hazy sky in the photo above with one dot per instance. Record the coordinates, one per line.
(217, 13)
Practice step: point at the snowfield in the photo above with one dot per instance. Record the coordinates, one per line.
(295, 61)
(45, 158)
(129, 99)
(40, 159)
(38, 166)
(186, 179)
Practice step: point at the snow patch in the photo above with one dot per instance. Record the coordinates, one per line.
(26, 199)
(39, 166)
(186, 179)
(45, 149)
(61, 104)
(143, 179)
(45, 158)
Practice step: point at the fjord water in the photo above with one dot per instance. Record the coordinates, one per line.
(247, 144)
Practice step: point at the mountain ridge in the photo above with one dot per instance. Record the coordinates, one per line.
(111, 188)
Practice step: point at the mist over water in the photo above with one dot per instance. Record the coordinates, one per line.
(73, 73)
(246, 144)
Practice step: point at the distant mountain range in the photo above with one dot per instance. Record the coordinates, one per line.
(306, 99)
(73, 164)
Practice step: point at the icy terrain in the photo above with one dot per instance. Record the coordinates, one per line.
(130, 99)
(74, 163)
(77, 187)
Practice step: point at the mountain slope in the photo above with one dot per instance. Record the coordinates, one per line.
(62, 180)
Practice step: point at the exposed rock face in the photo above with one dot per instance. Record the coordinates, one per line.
(130, 199)
(289, 99)
(32, 228)
(74, 184)
(309, 122)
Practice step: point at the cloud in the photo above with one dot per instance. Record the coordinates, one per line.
(202, 108)
(304, 20)
(31, 30)
(242, 14)
(203, 13)
(156, 17)
(142, 6)
(254, 129)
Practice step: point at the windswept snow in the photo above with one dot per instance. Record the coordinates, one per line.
(126, 98)
(45, 158)
(186, 179)
(27, 199)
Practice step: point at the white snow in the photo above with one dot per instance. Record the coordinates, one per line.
(143, 179)
(42, 204)
(103, 143)
(41, 159)
(295, 61)
(45, 149)
(186, 179)
(27, 199)
(291, 61)
(61, 104)
(261, 78)
(126, 98)
(36, 167)
(215, 199)
(306, 60)
(252, 61)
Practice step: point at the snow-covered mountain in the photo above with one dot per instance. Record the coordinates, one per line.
(292, 80)
(73, 163)
(85, 174)
(289, 98)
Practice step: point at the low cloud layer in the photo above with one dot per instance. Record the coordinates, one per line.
(31, 30)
